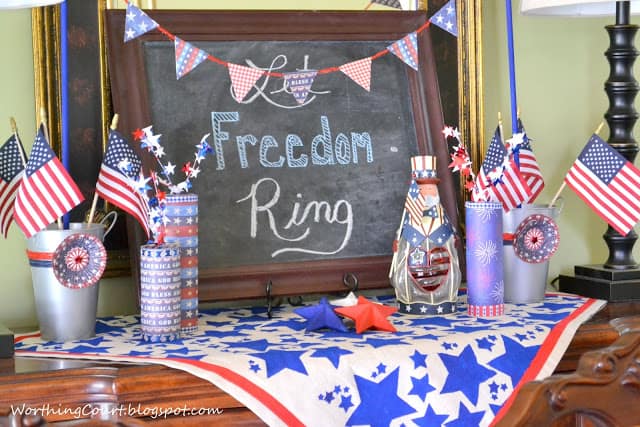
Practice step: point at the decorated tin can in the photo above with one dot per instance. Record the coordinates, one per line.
(485, 283)
(160, 292)
(182, 228)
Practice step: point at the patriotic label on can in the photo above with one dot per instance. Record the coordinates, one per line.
(160, 293)
(182, 228)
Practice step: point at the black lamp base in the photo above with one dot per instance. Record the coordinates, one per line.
(596, 281)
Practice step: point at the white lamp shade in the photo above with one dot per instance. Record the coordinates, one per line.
(573, 7)
(21, 4)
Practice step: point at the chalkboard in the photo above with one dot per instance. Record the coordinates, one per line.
(297, 194)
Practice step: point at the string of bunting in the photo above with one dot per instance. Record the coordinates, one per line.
(188, 56)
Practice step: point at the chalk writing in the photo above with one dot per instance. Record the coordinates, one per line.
(278, 63)
(342, 151)
(313, 212)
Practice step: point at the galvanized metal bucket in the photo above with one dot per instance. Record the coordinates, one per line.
(64, 314)
(524, 282)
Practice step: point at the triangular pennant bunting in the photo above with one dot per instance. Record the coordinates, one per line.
(299, 83)
(242, 79)
(137, 23)
(359, 71)
(407, 50)
(445, 18)
(188, 57)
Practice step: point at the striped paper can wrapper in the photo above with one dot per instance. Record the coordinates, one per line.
(485, 283)
(160, 293)
(182, 228)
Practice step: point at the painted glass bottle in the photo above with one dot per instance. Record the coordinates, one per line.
(425, 270)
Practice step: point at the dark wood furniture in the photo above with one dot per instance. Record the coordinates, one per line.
(603, 391)
(72, 383)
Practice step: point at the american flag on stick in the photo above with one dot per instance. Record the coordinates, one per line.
(526, 161)
(608, 183)
(46, 192)
(500, 178)
(120, 169)
(12, 164)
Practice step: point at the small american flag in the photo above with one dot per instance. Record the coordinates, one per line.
(608, 183)
(46, 192)
(120, 168)
(11, 172)
(413, 230)
(500, 177)
(529, 165)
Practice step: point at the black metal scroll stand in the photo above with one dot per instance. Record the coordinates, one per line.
(619, 278)
(350, 280)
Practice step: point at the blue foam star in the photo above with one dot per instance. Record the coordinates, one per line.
(421, 387)
(465, 374)
(278, 360)
(379, 402)
(331, 353)
(515, 360)
(321, 316)
(466, 418)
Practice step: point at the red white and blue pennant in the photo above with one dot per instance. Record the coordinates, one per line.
(298, 83)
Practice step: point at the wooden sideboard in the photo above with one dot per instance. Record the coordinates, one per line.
(136, 390)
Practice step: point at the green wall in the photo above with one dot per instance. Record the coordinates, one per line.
(560, 73)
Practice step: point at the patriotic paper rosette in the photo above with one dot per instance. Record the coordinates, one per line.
(536, 239)
(79, 261)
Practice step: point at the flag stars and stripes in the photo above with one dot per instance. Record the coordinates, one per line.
(602, 161)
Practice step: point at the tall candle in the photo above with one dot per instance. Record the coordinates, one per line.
(512, 69)
(64, 96)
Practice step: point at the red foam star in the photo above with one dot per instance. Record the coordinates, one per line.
(138, 134)
(369, 315)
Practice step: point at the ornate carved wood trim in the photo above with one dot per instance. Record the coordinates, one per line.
(604, 390)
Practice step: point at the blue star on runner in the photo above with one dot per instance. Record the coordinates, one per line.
(331, 353)
(466, 418)
(475, 374)
(430, 418)
(514, 352)
(278, 360)
(419, 359)
(421, 387)
(379, 402)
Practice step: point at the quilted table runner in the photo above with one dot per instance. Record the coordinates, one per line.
(454, 370)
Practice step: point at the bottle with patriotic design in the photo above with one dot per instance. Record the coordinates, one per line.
(425, 270)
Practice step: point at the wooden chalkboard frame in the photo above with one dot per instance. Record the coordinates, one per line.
(130, 100)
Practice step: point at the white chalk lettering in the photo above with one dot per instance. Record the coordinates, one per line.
(324, 151)
(313, 212)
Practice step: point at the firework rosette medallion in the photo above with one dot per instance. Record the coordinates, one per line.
(79, 261)
(536, 239)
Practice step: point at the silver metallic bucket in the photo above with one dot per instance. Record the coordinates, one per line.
(524, 282)
(64, 314)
